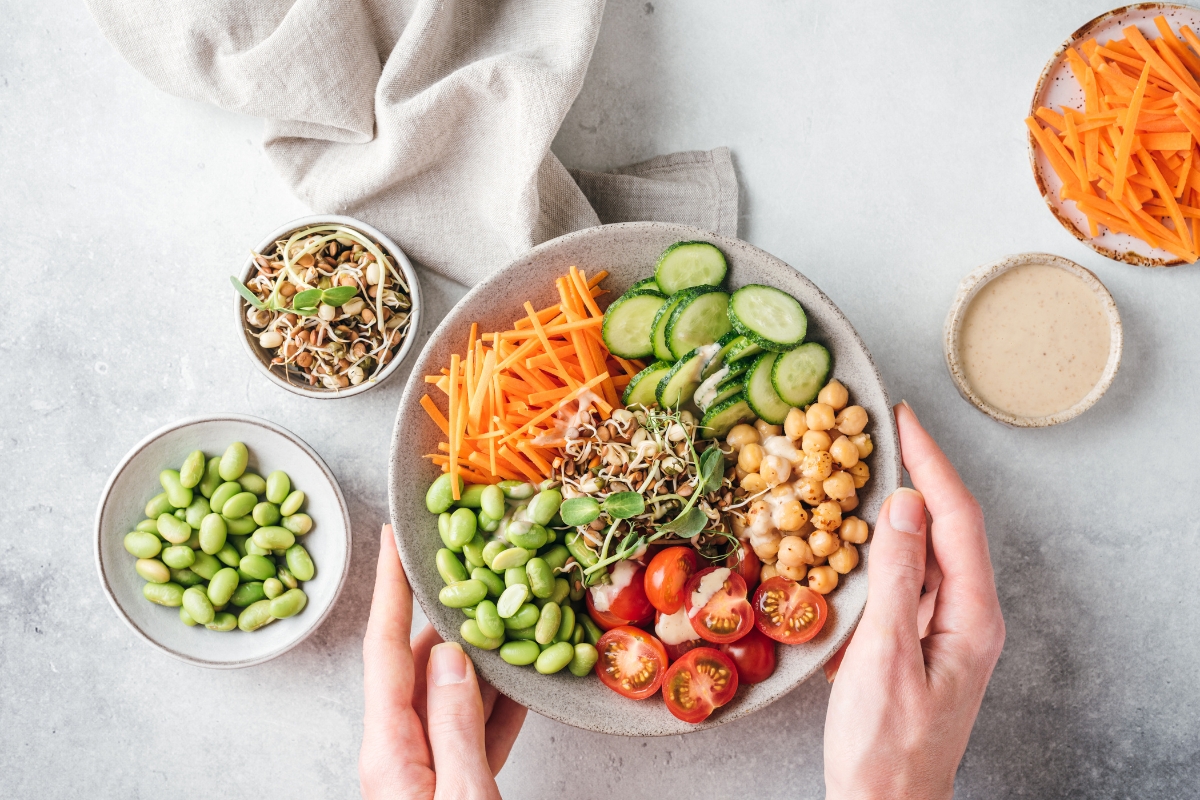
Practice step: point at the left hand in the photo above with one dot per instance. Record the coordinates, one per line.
(431, 729)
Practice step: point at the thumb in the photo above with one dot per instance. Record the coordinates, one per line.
(896, 570)
(455, 723)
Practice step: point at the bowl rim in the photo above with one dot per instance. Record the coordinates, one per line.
(969, 287)
(685, 232)
(187, 422)
(414, 319)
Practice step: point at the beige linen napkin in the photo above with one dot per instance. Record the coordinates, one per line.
(430, 119)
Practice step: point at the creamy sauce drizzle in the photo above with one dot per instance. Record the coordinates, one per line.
(621, 575)
(675, 628)
(710, 584)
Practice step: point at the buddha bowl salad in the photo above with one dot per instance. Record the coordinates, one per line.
(667, 538)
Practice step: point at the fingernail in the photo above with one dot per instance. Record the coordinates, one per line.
(447, 664)
(908, 405)
(906, 511)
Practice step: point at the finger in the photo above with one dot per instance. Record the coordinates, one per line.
(896, 570)
(422, 643)
(456, 723)
(501, 730)
(387, 657)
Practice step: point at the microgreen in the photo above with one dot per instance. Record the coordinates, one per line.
(306, 302)
(579, 511)
(623, 505)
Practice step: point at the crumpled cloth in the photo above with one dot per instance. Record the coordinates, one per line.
(429, 119)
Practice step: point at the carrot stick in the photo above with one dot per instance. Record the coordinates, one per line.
(574, 395)
(435, 415)
(453, 425)
(1125, 149)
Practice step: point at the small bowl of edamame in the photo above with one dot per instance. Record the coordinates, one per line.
(313, 543)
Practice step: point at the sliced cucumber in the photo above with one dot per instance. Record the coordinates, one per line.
(769, 318)
(742, 349)
(646, 283)
(678, 386)
(718, 361)
(700, 317)
(726, 393)
(760, 394)
(687, 264)
(629, 321)
(721, 417)
(799, 374)
(659, 337)
(642, 387)
(716, 388)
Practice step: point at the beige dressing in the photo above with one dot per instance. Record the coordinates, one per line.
(1034, 341)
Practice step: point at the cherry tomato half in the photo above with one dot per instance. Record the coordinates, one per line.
(749, 567)
(630, 606)
(726, 614)
(703, 680)
(754, 655)
(632, 662)
(676, 651)
(788, 612)
(666, 576)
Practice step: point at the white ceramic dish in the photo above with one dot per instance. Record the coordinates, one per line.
(135, 480)
(263, 359)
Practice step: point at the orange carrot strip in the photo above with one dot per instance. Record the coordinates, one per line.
(555, 330)
(541, 334)
(574, 395)
(549, 395)
(479, 460)
(1172, 61)
(1183, 175)
(1125, 148)
(1065, 173)
(580, 279)
(1154, 61)
(1164, 192)
(521, 464)
(1050, 118)
(530, 452)
(1167, 141)
(435, 414)
(484, 386)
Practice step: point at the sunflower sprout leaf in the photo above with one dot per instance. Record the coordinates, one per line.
(250, 296)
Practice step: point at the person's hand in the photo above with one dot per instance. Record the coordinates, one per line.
(431, 728)
(904, 701)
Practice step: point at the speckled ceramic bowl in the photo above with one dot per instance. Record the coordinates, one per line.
(135, 480)
(970, 286)
(629, 252)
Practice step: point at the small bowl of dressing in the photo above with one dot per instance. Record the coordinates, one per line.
(1033, 340)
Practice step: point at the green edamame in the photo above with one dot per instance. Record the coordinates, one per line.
(440, 495)
(562, 590)
(148, 526)
(557, 556)
(222, 585)
(153, 570)
(577, 546)
(279, 486)
(224, 621)
(272, 588)
(449, 567)
(164, 594)
(491, 502)
(213, 533)
(195, 513)
(179, 556)
(185, 578)
(258, 568)
(252, 483)
(233, 462)
(242, 526)
(158, 505)
(554, 658)
(292, 503)
(252, 548)
(177, 495)
(212, 477)
(544, 506)
(461, 529)
(186, 618)
(142, 544)
(248, 594)
(255, 615)
(239, 505)
(193, 540)
(488, 619)
(520, 653)
(192, 470)
(205, 565)
(265, 513)
(578, 635)
(491, 550)
(578, 590)
(522, 635)
(511, 600)
(512, 557)
(527, 616)
(299, 524)
(286, 577)
(548, 622)
(590, 629)
(541, 578)
(486, 523)
(180, 513)
(515, 575)
(494, 583)
(470, 497)
(222, 495)
(228, 555)
(472, 635)
(299, 563)
(273, 537)
(469, 612)
(288, 604)
(583, 659)
(473, 551)
(566, 626)
(529, 535)
(462, 594)
(196, 601)
(516, 490)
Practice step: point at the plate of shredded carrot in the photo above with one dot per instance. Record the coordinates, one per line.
(1114, 134)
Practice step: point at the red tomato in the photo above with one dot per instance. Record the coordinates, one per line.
(666, 576)
(605, 620)
(754, 655)
(727, 615)
(629, 607)
(676, 651)
(632, 662)
(703, 680)
(749, 567)
(788, 612)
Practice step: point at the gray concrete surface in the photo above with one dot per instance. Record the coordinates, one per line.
(881, 152)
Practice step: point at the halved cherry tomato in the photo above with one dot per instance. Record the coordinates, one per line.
(749, 567)
(754, 655)
(726, 615)
(666, 576)
(676, 651)
(788, 612)
(703, 680)
(629, 607)
(632, 662)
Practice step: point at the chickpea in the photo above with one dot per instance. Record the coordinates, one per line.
(834, 395)
(820, 561)
(775, 470)
(789, 516)
(822, 580)
(794, 551)
(810, 491)
(853, 530)
(795, 425)
(738, 473)
(753, 483)
(766, 430)
(766, 573)
(751, 456)
(738, 522)
(851, 420)
(861, 474)
(844, 452)
(765, 547)
(815, 441)
(827, 516)
(782, 446)
(741, 435)
(795, 573)
(845, 559)
(819, 417)
(817, 466)
(839, 486)
(849, 503)
(824, 543)
(784, 491)
(864, 444)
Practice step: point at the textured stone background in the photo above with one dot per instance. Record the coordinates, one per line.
(881, 151)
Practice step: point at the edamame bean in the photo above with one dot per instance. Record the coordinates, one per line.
(522, 635)
(255, 615)
(515, 575)
(519, 653)
(177, 495)
(266, 514)
(258, 568)
(462, 594)
(252, 549)
(192, 470)
(196, 601)
(526, 617)
(272, 588)
(242, 526)
(142, 544)
(186, 618)
(488, 617)
(487, 524)
(512, 557)
(541, 579)
(222, 585)
(544, 506)
(233, 463)
(440, 495)
(180, 513)
(470, 497)
(583, 659)
(292, 503)
(578, 590)
(566, 626)
(158, 505)
(494, 583)
(299, 524)
(578, 635)
(223, 621)
(491, 550)
(213, 533)
(248, 594)
(196, 512)
(529, 535)
(273, 538)
(252, 483)
(239, 505)
(152, 570)
(516, 490)
(461, 529)
(556, 556)
(554, 658)
(148, 526)
(205, 565)
(548, 622)
(286, 577)
(449, 567)
(222, 495)
(186, 578)
(590, 629)
(179, 556)
(299, 563)
(239, 544)
(562, 590)
(469, 612)
(491, 502)
(212, 477)
(193, 540)
(473, 551)
(472, 635)
(288, 604)
(279, 486)
(577, 547)
(511, 600)
(229, 556)
(164, 594)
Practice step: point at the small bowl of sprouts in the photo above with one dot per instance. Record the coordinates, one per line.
(327, 305)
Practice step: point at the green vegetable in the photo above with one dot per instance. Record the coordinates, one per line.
(164, 594)
(584, 659)
(177, 495)
(547, 624)
(292, 503)
(142, 544)
(554, 658)
(233, 462)
(288, 604)
(272, 588)
(153, 570)
(440, 495)
(279, 485)
(449, 567)
(265, 513)
(179, 556)
(239, 505)
(222, 586)
(520, 653)
(197, 605)
(462, 594)
(473, 635)
(222, 494)
(192, 470)
(256, 615)
(494, 583)
(623, 505)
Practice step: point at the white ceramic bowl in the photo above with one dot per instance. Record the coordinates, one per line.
(135, 480)
(262, 358)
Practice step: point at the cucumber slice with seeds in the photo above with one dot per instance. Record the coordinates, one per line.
(721, 417)
(700, 317)
(629, 322)
(678, 386)
(718, 361)
(769, 318)
(687, 264)
(799, 374)
(642, 387)
(659, 336)
(742, 349)
(646, 283)
(760, 394)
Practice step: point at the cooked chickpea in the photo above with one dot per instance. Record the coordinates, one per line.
(753, 483)
(741, 435)
(820, 561)
(848, 503)
(851, 420)
(834, 395)
(844, 452)
(795, 573)
(766, 430)
(824, 543)
(751, 456)
(817, 465)
(775, 470)
(815, 441)
(810, 491)
(765, 547)
(819, 417)
(845, 559)
(795, 425)
(827, 516)
(782, 446)
(839, 485)
(767, 572)
(789, 516)
(737, 521)
(738, 473)
(861, 474)
(864, 444)
(822, 580)
(853, 530)
(794, 551)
